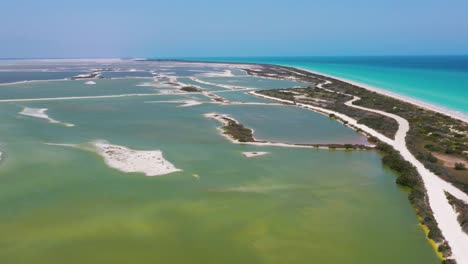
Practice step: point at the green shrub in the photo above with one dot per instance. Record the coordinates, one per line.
(460, 166)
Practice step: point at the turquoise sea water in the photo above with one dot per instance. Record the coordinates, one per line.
(439, 80)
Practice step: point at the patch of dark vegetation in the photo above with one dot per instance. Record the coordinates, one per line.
(460, 166)
(278, 94)
(85, 76)
(449, 261)
(409, 177)
(376, 122)
(338, 146)
(190, 89)
(238, 131)
(462, 210)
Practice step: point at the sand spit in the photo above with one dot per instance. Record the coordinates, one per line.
(149, 162)
(254, 154)
(41, 113)
(90, 83)
(62, 145)
(184, 103)
(223, 119)
(445, 216)
(73, 98)
(229, 87)
(225, 73)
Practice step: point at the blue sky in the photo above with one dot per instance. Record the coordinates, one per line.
(176, 28)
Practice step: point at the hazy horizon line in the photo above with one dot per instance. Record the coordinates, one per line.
(230, 56)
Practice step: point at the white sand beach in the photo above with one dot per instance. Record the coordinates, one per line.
(408, 99)
(90, 83)
(255, 154)
(226, 73)
(230, 87)
(183, 103)
(149, 162)
(41, 113)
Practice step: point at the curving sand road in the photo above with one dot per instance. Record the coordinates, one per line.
(443, 212)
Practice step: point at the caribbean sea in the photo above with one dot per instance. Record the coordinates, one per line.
(439, 80)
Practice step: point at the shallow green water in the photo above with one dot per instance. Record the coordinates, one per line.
(74, 88)
(64, 205)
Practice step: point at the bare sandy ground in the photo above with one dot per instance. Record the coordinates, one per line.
(449, 161)
(149, 162)
(255, 154)
(41, 113)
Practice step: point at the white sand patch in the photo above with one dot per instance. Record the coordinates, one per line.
(254, 154)
(149, 162)
(90, 83)
(230, 87)
(75, 97)
(226, 73)
(149, 84)
(62, 145)
(184, 103)
(41, 113)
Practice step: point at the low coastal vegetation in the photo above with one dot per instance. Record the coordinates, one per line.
(192, 89)
(336, 102)
(462, 210)
(409, 177)
(237, 131)
(431, 136)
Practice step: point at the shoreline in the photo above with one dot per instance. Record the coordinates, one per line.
(149, 162)
(418, 102)
(224, 120)
(421, 103)
(436, 187)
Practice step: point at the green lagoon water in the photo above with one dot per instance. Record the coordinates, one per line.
(64, 205)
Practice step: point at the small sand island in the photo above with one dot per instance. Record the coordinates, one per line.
(255, 154)
(41, 113)
(149, 162)
(90, 83)
(86, 76)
